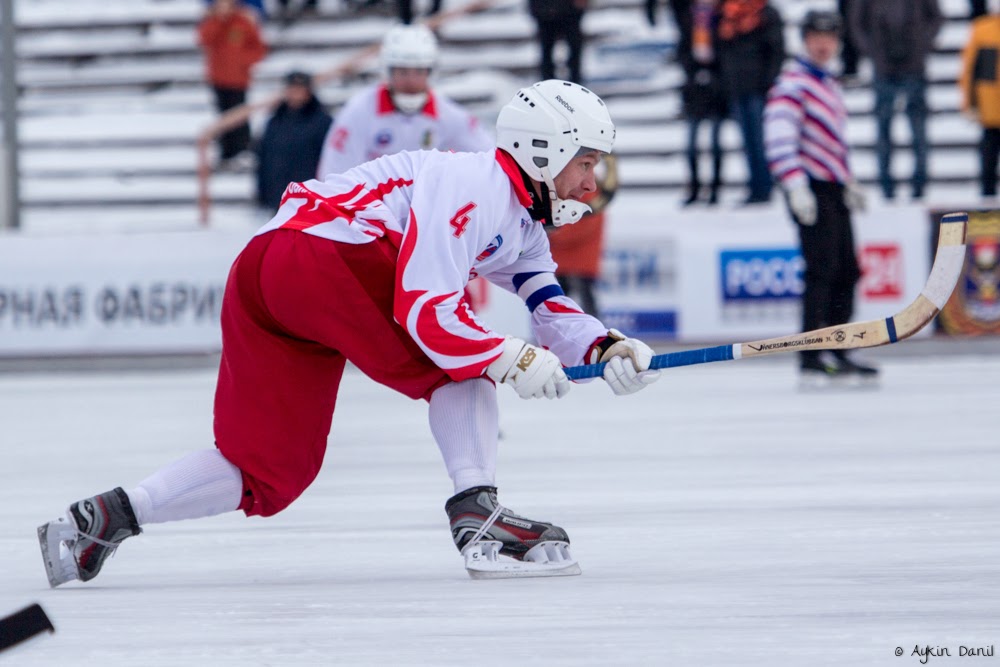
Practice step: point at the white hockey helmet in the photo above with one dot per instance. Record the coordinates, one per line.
(409, 46)
(547, 125)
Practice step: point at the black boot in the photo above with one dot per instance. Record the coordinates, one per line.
(694, 185)
(847, 366)
(469, 510)
(713, 193)
(694, 192)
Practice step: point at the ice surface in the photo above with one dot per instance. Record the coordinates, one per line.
(720, 517)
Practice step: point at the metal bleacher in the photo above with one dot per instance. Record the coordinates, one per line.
(113, 96)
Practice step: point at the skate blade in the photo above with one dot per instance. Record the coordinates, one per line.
(545, 559)
(57, 556)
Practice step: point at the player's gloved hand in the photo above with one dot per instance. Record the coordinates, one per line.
(628, 362)
(533, 372)
(855, 197)
(802, 201)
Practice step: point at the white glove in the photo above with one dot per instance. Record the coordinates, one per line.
(802, 201)
(855, 197)
(532, 372)
(628, 362)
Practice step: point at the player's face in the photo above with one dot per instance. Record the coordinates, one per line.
(577, 178)
(297, 96)
(821, 47)
(408, 80)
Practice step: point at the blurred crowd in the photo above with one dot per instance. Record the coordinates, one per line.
(731, 52)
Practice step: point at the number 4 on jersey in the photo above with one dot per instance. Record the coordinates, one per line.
(461, 219)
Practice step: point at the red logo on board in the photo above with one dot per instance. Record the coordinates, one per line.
(882, 275)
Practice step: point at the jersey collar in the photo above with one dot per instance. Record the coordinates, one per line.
(539, 208)
(516, 179)
(812, 68)
(384, 105)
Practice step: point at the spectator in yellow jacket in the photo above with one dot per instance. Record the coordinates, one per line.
(980, 87)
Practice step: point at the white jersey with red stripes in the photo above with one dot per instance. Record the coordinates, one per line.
(452, 217)
(369, 127)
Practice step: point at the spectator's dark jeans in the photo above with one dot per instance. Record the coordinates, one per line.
(989, 154)
(236, 140)
(848, 52)
(914, 88)
(748, 111)
(405, 10)
(550, 32)
(716, 148)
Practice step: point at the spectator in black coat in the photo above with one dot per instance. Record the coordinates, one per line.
(898, 35)
(289, 150)
(559, 19)
(702, 94)
(750, 48)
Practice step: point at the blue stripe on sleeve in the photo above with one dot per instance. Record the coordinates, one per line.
(521, 278)
(547, 292)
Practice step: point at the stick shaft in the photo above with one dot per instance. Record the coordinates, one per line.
(947, 266)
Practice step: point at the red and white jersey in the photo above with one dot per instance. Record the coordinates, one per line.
(369, 126)
(452, 217)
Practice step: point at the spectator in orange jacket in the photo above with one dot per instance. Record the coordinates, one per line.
(980, 88)
(577, 249)
(231, 39)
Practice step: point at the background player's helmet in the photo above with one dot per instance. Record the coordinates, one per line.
(817, 20)
(409, 46)
(547, 125)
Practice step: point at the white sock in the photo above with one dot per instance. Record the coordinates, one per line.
(465, 422)
(200, 484)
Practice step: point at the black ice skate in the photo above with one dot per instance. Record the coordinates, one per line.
(76, 547)
(857, 374)
(498, 543)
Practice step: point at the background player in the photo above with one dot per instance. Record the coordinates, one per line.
(403, 113)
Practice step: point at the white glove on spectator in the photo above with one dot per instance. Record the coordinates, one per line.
(802, 201)
(628, 362)
(532, 372)
(855, 197)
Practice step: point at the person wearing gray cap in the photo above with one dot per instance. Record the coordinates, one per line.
(289, 149)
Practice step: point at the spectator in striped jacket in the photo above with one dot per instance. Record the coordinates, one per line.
(805, 137)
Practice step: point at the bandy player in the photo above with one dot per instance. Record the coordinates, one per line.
(369, 266)
(401, 114)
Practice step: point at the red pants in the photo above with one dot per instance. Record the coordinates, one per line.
(296, 307)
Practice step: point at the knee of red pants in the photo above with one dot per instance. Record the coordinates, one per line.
(263, 499)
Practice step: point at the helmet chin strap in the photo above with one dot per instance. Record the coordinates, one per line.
(564, 211)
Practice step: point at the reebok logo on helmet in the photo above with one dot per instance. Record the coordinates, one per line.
(563, 102)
